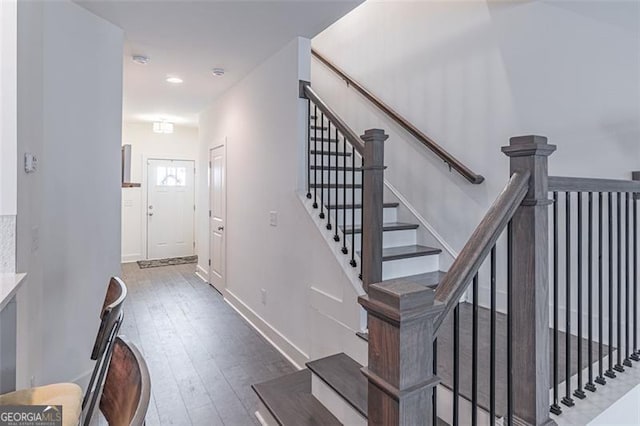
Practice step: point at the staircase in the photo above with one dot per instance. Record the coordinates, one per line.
(435, 354)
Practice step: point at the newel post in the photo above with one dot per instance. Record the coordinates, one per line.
(372, 206)
(530, 283)
(401, 318)
(636, 176)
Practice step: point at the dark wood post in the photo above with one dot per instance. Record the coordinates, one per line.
(372, 206)
(400, 370)
(530, 283)
(636, 176)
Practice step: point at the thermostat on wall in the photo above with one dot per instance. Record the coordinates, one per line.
(30, 163)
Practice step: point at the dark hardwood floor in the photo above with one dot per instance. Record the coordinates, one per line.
(202, 356)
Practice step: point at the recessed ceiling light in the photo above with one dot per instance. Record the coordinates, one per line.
(218, 72)
(174, 80)
(140, 59)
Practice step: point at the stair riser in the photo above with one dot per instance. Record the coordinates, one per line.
(333, 196)
(406, 237)
(335, 403)
(411, 266)
(264, 416)
(390, 214)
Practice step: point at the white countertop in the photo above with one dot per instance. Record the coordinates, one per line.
(9, 285)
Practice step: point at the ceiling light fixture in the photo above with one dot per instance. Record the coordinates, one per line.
(218, 72)
(174, 80)
(162, 127)
(140, 59)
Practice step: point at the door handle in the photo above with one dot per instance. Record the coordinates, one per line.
(150, 214)
(220, 228)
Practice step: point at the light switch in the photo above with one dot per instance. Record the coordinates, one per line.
(30, 163)
(273, 218)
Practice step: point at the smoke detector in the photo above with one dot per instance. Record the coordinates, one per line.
(140, 59)
(218, 72)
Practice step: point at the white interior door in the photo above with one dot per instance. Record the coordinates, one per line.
(170, 208)
(217, 216)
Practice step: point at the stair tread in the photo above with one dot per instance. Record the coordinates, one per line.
(342, 374)
(333, 185)
(391, 226)
(290, 402)
(359, 206)
(320, 139)
(340, 168)
(319, 128)
(339, 153)
(406, 252)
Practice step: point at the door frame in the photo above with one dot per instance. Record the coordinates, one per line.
(145, 199)
(223, 145)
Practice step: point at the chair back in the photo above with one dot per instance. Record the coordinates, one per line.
(127, 388)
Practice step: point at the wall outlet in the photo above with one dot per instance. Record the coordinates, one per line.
(263, 294)
(273, 218)
(30, 163)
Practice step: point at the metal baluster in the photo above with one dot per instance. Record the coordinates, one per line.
(361, 210)
(600, 379)
(308, 149)
(618, 367)
(322, 167)
(509, 324)
(344, 199)
(434, 397)
(555, 406)
(567, 400)
(456, 363)
(610, 373)
(474, 355)
(627, 359)
(590, 386)
(353, 210)
(336, 237)
(636, 351)
(579, 393)
(315, 156)
(328, 225)
(492, 345)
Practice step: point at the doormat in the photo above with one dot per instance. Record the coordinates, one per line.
(144, 264)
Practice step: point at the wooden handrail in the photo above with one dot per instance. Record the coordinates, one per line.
(574, 184)
(464, 268)
(449, 159)
(334, 118)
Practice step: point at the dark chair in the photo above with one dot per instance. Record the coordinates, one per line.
(127, 388)
(111, 319)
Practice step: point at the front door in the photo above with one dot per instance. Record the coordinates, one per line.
(170, 208)
(217, 216)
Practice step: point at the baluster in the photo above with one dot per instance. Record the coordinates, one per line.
(336, 237)
(344, 199)
(636, 354)
(353, 210)
(627, 360)
(474, 355)
(579, 393)
(590, 386)
(567, 400)
(509, 324)
(618, 367)
(315, 156)
(362, 224)
(600, 379)
(329, 187)
(322, 167)
(492, 348)
(434, 401)
(456, 364)
(308, 149)
(555, 407)
(610, 373)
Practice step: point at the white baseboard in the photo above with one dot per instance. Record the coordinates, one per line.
(290, 351)
(129, 258)
(202, 273)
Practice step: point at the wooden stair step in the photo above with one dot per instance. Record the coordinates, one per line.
(393, 226)
(290, 402)
(339, 154)
(359, 206)
(318, 128)
(320, 139)
(333, 185)
(407, 252)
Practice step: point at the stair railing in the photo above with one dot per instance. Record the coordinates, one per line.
(326, 134)
(429, 143)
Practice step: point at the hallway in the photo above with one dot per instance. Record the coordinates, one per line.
(202, 356)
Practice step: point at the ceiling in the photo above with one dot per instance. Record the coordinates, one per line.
(189, 38)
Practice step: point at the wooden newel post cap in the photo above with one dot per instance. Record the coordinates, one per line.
(525, 146)
(371, 135)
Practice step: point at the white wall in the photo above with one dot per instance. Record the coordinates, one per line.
(8, 59)
(262, 121)
(471, 74)
(68, 234)
(182, 144)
